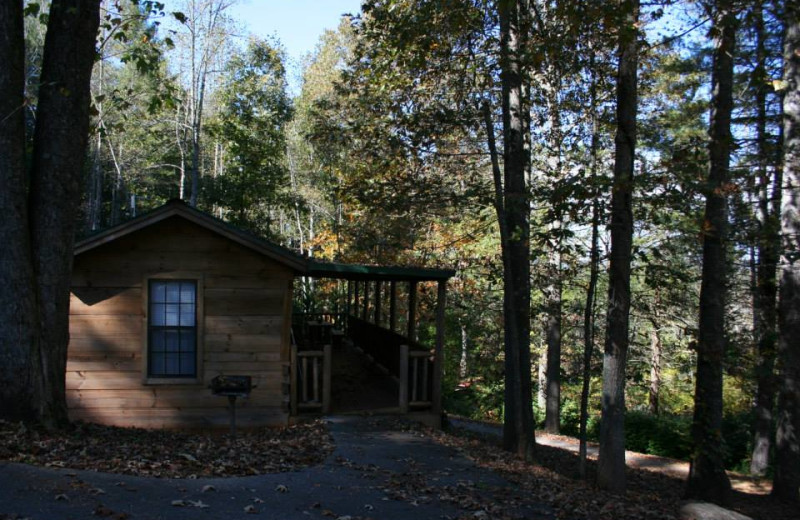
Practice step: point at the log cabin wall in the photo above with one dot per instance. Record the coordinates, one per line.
(244, 313)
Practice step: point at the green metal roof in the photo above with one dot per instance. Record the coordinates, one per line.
(370, 272)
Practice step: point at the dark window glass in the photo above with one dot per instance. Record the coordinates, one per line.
(172, 328)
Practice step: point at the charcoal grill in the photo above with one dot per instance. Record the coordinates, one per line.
(232, 387)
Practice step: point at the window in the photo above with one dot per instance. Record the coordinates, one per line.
(172, 329)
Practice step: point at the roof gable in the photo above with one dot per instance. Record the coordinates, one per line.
(298, 263)
(177, 208)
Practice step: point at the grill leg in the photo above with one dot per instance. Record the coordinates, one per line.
(232, 401)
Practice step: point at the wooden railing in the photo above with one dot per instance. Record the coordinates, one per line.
(311, 379)
(416, 369)
(317, 329)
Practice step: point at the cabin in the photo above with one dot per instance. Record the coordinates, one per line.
(167, 305)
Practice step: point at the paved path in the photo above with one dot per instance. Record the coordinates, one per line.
(374, 472)
(672, 467)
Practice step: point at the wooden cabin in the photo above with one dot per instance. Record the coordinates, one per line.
(164, 303)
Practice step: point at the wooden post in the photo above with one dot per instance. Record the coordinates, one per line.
(412, 311)
(365, 311)
(378, 303)
(439, 352)
(293, 381)
(349, 304)
(403, 377)
(354, 310)
(327, 367)
(392, 305)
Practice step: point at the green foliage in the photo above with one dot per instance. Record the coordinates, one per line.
(250, 127)
(662, 435)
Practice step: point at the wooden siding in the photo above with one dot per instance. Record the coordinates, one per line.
(246, 306)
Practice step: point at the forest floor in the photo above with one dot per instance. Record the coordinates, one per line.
(646, 473)
(666, 466)
(345, 467)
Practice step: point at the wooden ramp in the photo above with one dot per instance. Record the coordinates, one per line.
(359, 385)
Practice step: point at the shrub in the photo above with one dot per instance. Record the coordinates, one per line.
(662, 435)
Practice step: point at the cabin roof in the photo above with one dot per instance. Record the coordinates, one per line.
(302, 265)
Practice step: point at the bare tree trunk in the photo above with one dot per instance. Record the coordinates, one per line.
(594, 265)
(707, 478)
(786, 483)
(766, 286)
(18, 340)
(518, 433)
(552, 419)
(655, 366)
(611, 462)
(62, 130)
(541, 373)
(463, 366)
(588, 336)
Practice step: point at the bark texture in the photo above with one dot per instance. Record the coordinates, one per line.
(611, 461)
(552, 416)
(786, 483)
(707, 478)
(765, 310)
(17, 340)
(518, 430)
(45, 208)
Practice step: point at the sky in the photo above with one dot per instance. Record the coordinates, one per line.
(298, 24)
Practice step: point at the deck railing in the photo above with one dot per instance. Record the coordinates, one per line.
(311, 379)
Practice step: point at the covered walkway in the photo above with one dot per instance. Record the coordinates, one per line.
(364, 356)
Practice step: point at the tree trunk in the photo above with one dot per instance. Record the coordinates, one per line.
(518, 430)
(541, 379)
(766, 287)
(40, 217)
(588, 335)
(786, 483)
(655, 367)
(59, 148)
(594, 264)
(18, 341)
(552, 420)
(707, 478)
(611, 462)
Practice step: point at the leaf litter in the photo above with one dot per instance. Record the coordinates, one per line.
(167, 454)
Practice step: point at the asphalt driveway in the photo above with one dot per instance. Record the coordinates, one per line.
(376, 471)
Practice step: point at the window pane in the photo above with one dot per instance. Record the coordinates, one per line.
(187, 315)
(157, 314)
(187, 292)
(188, 341)
(171, 341)
(171, 365)
(172, 315)
(158, 292)
(157, 341)
(157, 364)
(173, 292)
(187, 364)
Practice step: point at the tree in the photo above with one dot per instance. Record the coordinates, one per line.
(250, 127)
(707, 478)
(513, 215)
(202, 42)
(40, 207)
(786, 483)
(768, 194)
(611, 461)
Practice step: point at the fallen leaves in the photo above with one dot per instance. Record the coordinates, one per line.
(167, 454)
